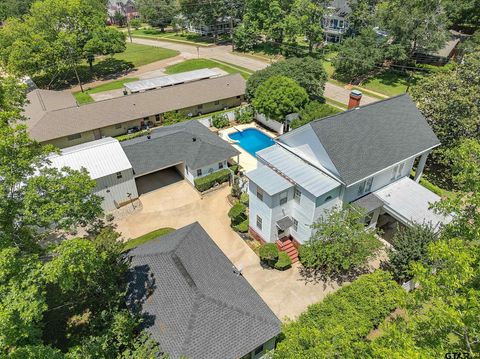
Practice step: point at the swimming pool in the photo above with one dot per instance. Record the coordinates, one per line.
(252, 140)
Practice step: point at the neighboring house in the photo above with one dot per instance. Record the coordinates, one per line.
(194, 302)
(55, 118)
(443, 55)
(125, 170)
(125, 7)
(334, 23)
(362, 156)
(222, 26)
(107, 164)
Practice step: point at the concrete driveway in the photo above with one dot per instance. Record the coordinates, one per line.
(179, 204)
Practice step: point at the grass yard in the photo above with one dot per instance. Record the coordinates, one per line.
(84, 97)
(196, 64)
(188, 38)
(140, 55)
(388, 83)
(147, 237)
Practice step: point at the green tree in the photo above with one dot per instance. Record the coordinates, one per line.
(314, 110)
(22, 299)
(158, 13)
(358, 56)
(136, 24)
(279, 96)
(14, 8)
(363, 14)
(450, 103)
(267, 18)
(463, 14)
(107, 41)
(36, 351)
(340, 243)
(307, 72)
(54, 36)
(307, 15)
(415, 24)
(12, 98)
(410, 245)
(442, 313)
(245, 38)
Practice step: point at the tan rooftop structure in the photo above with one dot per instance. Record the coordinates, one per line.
(60, 121)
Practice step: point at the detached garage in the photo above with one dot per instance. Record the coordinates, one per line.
(187, 150)
(107, 164)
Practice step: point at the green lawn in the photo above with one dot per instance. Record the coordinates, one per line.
(196, 64)
(140, 55)
(147, 237)
(388, 83)
(172, 36)
(84, 97)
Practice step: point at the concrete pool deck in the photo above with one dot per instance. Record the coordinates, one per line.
(247, 161)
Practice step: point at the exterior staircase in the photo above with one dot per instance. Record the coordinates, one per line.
(286, 245)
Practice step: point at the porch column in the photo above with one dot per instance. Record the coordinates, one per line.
(421, 166)
(374, 220)
(238, 159)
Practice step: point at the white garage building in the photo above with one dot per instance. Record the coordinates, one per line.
(107, 164)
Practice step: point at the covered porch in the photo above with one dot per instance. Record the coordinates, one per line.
(406, 202)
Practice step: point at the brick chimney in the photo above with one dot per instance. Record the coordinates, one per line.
(354, 101)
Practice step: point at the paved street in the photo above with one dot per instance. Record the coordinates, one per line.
(223, 53)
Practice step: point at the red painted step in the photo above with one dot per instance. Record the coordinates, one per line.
(288, 247)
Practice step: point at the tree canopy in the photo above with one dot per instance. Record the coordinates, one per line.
(57, 34)
(279, 96)
(307, 72)
(158, 13)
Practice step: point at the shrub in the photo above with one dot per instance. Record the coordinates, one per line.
(411, 244)
(244, 115)
(236, 191)
(244, 199)
(237, 213)
(208, 181)
(269, 254)
(234, 168)
(135, 23)
(314, 110)
(340, 243)
(284, 261)
(242, 227)
(220, 121)
(337, 326)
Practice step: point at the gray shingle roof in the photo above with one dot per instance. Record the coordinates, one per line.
(363, 141)
(173, 144)
(198, 307)
(284, 223)
(370, 202)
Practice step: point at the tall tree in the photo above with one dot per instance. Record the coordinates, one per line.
(56, 34)
(14, 8)
(415, 24)
(306, 17)
(363, 14)
(279, 96)
(158, 13)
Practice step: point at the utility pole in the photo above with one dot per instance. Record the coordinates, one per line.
(232, 8)
(128, 27)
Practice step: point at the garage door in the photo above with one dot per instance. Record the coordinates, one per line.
(157, 180)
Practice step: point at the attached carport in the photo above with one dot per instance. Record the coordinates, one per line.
(159, 179)
(409, 203)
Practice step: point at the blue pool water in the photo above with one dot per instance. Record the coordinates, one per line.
(252, 140)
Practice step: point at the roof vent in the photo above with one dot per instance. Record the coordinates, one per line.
(194, 139)
(149, 136)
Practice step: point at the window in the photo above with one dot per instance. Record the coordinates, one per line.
(328, 198)
(200, 107)
(340, 24)
(74, 137)
(146, 118)
(259, 193)
(199, 172)
(283, 197)
(117, 126)
(157, 118)
(397, 171)
(217, 102)
(186, 168)
(258, 350)
(220, 165)
(297, 195)
(119, 175)
(295, 225)
(365, 186)
(239, 96)
(259, 222)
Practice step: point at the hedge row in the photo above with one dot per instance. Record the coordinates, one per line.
(337, 327)
(237, 213)
(204, 183)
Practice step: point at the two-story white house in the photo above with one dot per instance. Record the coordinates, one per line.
(334, 23)
(362, 156)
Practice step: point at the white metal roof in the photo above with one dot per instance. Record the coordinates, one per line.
(268, 180)
(297, 170)
(170, 80)
(409, 202)
(100, 158)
